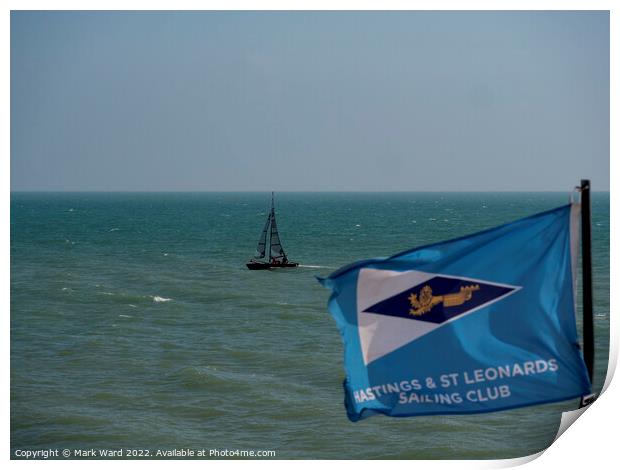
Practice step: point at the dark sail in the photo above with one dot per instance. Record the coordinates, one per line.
(262, 241)
(275, 256)
(276, 247)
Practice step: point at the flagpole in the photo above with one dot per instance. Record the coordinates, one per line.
(586, 269)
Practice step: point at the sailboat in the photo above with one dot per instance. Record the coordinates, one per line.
(276, 257)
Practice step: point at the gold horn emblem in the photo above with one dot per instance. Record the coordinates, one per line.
(427, 300)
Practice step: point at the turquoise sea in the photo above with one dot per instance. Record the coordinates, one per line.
(135, 323)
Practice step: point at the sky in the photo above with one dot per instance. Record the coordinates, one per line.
(309, 101)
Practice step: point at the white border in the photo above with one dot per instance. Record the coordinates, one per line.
(582, 446)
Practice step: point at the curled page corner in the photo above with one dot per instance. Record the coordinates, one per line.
(569, 417)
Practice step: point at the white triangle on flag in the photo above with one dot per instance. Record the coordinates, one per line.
(382, 334)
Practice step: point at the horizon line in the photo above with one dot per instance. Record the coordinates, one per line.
(293, 191)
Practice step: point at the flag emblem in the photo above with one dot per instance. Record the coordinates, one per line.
(456, 296)
(427, 300)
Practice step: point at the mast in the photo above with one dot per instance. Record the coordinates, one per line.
(271, 217)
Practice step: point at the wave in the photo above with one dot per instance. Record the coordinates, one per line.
(204, 378)
(215, 379)
(316, 267)
(133, 298)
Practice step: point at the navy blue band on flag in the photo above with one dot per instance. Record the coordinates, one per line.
(400, 305)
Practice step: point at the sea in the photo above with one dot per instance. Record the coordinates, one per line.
(135, 323)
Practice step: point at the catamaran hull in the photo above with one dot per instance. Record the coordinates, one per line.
(257, 266)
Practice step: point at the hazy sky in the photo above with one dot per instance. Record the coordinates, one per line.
(341, 101)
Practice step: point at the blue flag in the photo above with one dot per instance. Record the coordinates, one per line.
(481, 323)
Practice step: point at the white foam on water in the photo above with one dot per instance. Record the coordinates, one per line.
(126, 316)
(315, 267)
(113, 229)
(132, 305)
(157, 298)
